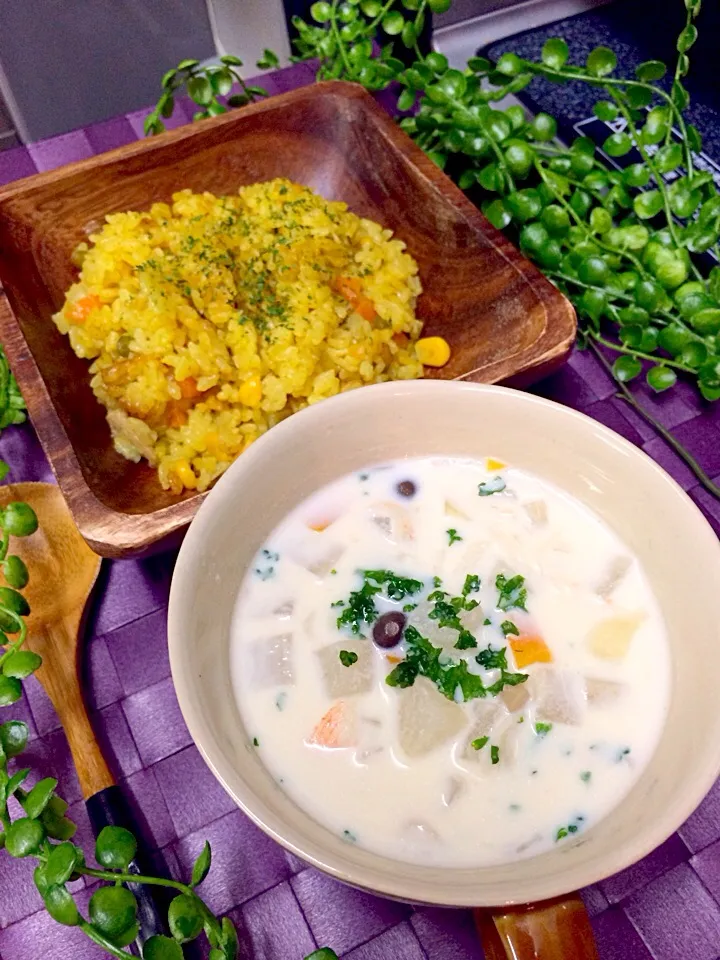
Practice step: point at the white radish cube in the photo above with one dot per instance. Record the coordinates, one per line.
(426, 719)
(342, 681)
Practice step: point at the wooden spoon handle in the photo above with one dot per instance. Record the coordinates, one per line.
(553, 930)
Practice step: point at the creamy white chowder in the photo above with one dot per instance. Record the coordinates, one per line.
(450, 662)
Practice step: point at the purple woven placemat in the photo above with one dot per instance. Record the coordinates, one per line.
(666, 907)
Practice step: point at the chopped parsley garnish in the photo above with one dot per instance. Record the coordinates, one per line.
(479, 743)
(487, 622)
(489, 487)
(423, 660)
(396, 588)
(512, 592)
(471, 585)
(586, 776)
(409, 607)
(349, 836)
(569, 829)
(495, 754)
(256, 742)
(492, 659)
(361, 604)
(437, 582)
(453, 536)
(360, 608)
(338, 603)
(622, 754)
(543, 729)
(508, 627)
(347, 658)
(466, 641)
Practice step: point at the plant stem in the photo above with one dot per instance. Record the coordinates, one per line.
(584, 227)
(338, 39)
(571, 74)
(103, 942)
(628, 397)
(621, 348)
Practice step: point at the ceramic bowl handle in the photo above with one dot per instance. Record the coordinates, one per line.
(552, 930)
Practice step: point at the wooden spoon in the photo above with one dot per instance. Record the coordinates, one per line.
(63, 571)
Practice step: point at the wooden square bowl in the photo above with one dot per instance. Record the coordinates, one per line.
(502, 318)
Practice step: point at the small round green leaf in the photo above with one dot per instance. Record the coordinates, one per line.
(605, 110)
(543, 127)
(617, 145)
(555, 219)
(201, 866)
(510, 65)
(594, 271)
(189, 64)
(650, 70)
(534, 237)
(626, 368)
(706, 321)
(19, 520)
(321, 12)
(371, 8)
(24, 837)
(10, 690)
(13, 737)
(656, 125)
(15, 572)
(668, 157)
(14, 601)
(519, 157)
(648, 205)
(112, 910)
(409, 35)
(601, 61)
(638, 97)
(61, 906)
(648, 295)
(162, 948)
(497, 213)
(61, 864)
(600, 220)
(524, 205)
(39, 797)
(185, 918)
(693, 355)
(661, 378)
(439, 6)
(200, 90)
(687, 38)
(21, 664)
(593, 303)
(694, 138)
(674, 339)
(636, 175)
(393, 23)
(555, 53)
(4, 470)
(115, 848)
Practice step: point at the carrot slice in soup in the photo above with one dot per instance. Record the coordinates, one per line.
(529, 649)
(336, 728)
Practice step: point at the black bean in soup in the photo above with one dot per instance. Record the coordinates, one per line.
(388, 629)
(406, 488)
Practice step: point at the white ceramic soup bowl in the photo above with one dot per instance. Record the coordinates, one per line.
(649, 511)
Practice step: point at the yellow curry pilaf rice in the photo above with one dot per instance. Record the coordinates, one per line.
(211, 319)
